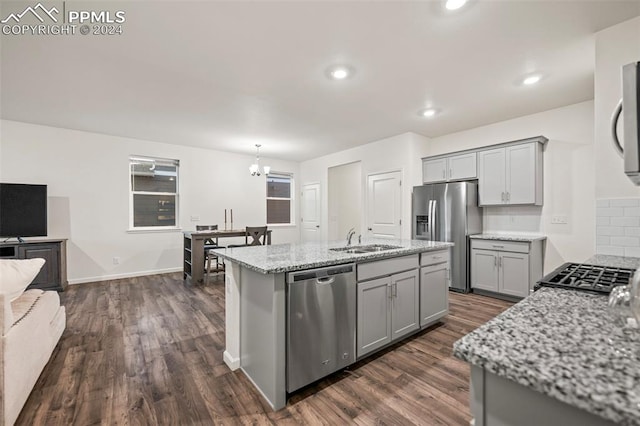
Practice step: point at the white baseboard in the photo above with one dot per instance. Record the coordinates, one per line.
(124, 275)
(232, 363)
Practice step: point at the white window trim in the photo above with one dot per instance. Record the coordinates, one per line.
(292, 210)
(145, 229)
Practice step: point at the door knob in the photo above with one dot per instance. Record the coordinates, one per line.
(317, 226)
(369, 229)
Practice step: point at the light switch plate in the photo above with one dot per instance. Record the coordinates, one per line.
(559, 219)
(195, 218)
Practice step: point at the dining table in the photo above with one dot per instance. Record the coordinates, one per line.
(193, 250)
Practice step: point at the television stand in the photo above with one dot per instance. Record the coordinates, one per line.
(20, 239)
(53, 275)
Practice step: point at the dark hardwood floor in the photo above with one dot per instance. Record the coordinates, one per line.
(146, 351)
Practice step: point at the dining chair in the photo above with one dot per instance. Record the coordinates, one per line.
(210, 256)
(258, 235)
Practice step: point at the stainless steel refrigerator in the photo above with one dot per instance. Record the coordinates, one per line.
(449, 212)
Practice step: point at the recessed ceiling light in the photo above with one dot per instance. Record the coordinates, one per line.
(340, 72)
(532, 79)
(454, 4)
(428, 112)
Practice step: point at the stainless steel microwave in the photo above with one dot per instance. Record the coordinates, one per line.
(628, 145)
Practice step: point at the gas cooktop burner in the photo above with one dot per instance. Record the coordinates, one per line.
(593, 278)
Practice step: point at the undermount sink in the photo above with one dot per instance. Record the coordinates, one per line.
(371, 248)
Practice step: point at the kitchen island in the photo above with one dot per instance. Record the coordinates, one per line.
(256, 303)
(555, 358)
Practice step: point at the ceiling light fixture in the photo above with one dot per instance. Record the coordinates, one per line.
(254, 169)
(532, 79)
(339, 72)
(454, 4)
(428, 112)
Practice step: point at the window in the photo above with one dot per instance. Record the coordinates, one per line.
(154, 193)
(279, 199)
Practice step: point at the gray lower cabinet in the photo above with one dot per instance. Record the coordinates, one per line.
(434, 293)
(388, 307)
(505, 267)
(374, 315)
(405, 306)
(497, 401)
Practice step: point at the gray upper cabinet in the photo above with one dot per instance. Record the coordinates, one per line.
(511, 175)
(449, 168)
(434, 170)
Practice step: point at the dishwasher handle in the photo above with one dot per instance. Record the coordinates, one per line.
(321, 275)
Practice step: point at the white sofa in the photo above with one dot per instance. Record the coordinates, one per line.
(31, 326)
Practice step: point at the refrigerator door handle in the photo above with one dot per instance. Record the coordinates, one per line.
(433, 220)
(429, 220)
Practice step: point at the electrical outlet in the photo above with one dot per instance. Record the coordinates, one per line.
(195, 218)
(116, 260)
(559, 219)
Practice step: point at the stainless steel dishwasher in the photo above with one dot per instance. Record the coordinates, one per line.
(321, 323)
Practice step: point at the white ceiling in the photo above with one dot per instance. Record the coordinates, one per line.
(228, 75)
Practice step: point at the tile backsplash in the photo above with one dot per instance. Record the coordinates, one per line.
(618, 227)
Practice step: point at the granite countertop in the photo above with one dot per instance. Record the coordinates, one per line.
(508, 237)
(564, 344)
(614, 261)
(271, 259)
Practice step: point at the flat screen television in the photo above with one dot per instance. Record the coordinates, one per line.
(23, 210)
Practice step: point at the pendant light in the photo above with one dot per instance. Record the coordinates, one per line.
(254, 169)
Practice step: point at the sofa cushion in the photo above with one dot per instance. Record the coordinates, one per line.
(24, 304)
(17, 274)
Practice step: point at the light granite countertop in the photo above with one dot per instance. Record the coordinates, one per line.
(614, 261)
(564, 344)
(272, 259)
(508, 237)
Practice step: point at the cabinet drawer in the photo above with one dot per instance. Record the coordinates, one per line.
(381, 268)
(499, 245)
(434, 257)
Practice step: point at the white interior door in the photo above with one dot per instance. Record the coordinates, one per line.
(384, 205)
(310, 216)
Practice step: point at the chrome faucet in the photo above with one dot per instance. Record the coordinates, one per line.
(350, 235)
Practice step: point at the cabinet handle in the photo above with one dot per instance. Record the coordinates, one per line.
(500, 262)
(395, 289)
(448, 273)
(508, 196)
(498, 246)
(450, 173)
(389, 292)
(444, 174)
(495, 262)
(502, 197)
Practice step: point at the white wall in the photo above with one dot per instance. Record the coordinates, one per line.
(568, 178)
(394, 153)
(87, 178)
(615, 46)
(344, 199)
